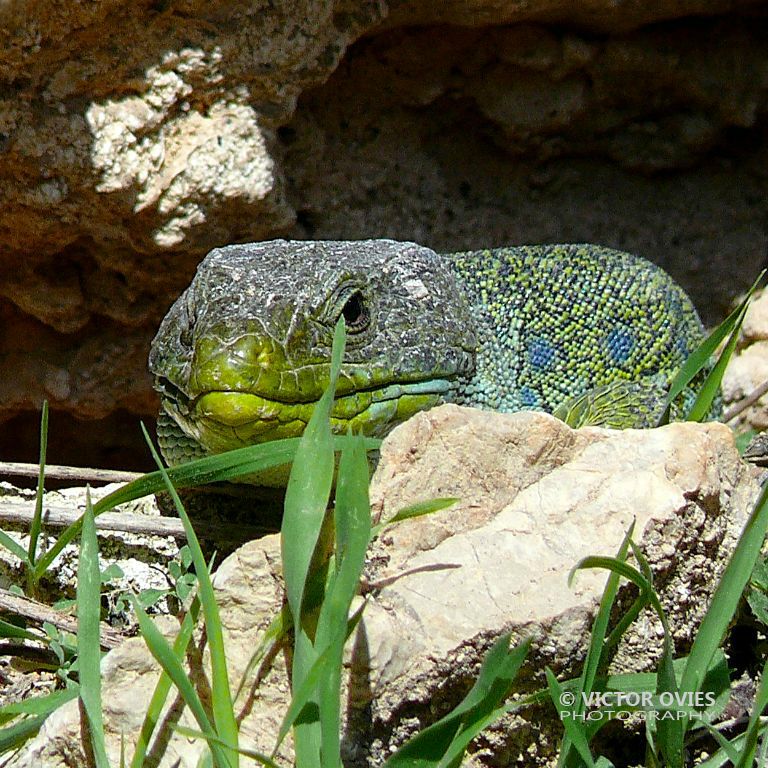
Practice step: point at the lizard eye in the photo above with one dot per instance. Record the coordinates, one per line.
(356, 313)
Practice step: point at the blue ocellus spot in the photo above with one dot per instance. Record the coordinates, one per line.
(620, 343)
(529, 398)
(541, 353)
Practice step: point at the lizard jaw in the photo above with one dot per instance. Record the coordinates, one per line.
(222, 420)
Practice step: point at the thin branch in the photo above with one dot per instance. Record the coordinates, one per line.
(59, 472)
(61, 517)
(56, 517)
(39, 613)
(742, 405)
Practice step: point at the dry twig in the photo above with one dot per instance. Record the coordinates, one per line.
(38, 613)
(58, 472)
(743, 404)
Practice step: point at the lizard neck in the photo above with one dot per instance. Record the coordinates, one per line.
(486, 277)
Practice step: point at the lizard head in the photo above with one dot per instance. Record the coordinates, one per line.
(244, 353)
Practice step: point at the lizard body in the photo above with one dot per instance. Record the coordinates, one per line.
(244, 353)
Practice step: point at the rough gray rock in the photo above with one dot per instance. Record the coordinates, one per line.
(536, 497)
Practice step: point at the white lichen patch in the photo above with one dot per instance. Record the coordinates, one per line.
(176, 157)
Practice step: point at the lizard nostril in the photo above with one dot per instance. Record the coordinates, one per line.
(185, 336)
(187, 323)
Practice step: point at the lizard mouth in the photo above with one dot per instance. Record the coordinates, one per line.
(221, 419)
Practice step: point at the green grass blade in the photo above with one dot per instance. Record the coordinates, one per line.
(225, 466)
(628, 572)
(158, 646)
(415, 510)
(212, 469)
(699, 359)
(728, 747)
(15, 548)
(642, 562)
(492, 687)
(596, 650)
(573, 730)
(37, 518)
(727, 595)
(38, 709)
(762, 756)
(163, 686)
(88, 647)
(431, 746)
(717, 681)
(626, 620)
(40, 705)
(597, 646)
(309, 489)
(12, 631)
(671, 732)
(222, 467)
(722, 756)
(352, 522)
(455, 752)
(223, 710)
(15, 735)
(306, 501)
(716, 678)
(711, 387)
(304, 694)
(731, 750)
(423, 508)
(498, 670)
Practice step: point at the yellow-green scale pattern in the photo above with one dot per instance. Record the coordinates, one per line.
(554, 322)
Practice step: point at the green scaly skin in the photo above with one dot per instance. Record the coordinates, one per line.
(243, 354)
